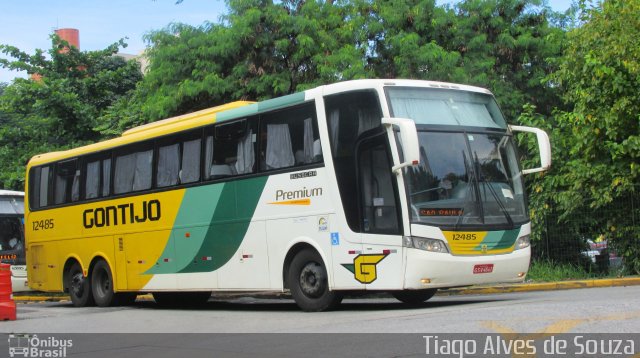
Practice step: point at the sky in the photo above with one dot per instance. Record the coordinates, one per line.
(27, 24)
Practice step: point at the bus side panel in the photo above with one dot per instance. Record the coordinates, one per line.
(40, 275)
(248, 268)
(188, 241)
(101, 246)
(145, 251)
(282, 234)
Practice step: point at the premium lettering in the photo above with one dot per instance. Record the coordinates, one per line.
(298, 194)
(122, 214)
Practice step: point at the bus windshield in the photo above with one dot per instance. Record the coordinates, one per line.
(468, 176)
(11, 231)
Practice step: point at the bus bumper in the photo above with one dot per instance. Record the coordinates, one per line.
(19, 284)
(438, 270)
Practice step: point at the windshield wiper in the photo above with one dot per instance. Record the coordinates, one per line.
(486, 184)
(473, 186)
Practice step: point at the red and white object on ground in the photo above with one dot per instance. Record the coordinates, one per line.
(7, 305)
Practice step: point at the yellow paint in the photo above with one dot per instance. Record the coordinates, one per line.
(138, 134)
(49, 249)
(365, 267)
(465, 242)
(305, 201)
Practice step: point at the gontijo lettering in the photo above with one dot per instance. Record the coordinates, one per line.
(122, 214)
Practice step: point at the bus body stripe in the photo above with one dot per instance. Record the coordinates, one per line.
(230, 222)
(216, 218)
(197, 207)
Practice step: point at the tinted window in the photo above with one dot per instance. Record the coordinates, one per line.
(133, 171)
(178, 159)
(67, 182)
(230, 149)
(349, 115)
(289, 138)
(97, 176)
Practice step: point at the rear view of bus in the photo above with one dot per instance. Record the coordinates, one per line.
(12, 237)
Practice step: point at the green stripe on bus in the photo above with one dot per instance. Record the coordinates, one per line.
(230, 222)
(240, 112)
(281, 102)
(260, 107)
(194, 216)
(497, 240)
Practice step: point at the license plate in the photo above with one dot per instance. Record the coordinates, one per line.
(485, 268)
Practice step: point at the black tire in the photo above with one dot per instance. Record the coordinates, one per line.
(181, 299)
(414, 297)
(102, 284)
(308, 281)
(79, 287)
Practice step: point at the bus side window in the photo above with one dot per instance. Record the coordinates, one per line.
(168, 165)
(289, 138)
(230, 148)
(133, 170)
(67, 182)
(179, 159)
(190, 169)
(39, 187)
(92, 180)
(97, 182)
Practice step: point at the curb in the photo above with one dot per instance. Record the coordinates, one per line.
(545, 286)
(473, 290)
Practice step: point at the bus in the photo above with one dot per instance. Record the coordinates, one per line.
(399, 186)
(12, 237)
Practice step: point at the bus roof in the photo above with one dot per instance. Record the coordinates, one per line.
(234, 110)
(143, 132)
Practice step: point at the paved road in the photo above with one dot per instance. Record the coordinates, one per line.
(614, 309)
(380, 327)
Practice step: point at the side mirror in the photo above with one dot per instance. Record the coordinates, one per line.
(544, 146)
(409, 138)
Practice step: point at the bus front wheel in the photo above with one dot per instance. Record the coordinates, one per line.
(414, 297)
(79, 287)
(309, 284)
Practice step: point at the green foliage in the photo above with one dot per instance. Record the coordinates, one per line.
(549, 271)
(262, 49)
(61, 109)
(597, 145)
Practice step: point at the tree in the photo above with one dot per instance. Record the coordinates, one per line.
(510, 47)
(597, 144)
(60, 108)
(260, 50)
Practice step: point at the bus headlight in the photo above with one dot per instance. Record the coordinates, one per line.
(522, 242)
(425, 244)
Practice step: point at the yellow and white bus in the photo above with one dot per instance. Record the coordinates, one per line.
(372, 185)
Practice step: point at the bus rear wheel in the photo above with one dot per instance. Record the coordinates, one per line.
(414, 297)
(309, 284)
(102, 284)
(79, 287)
(102, 288)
